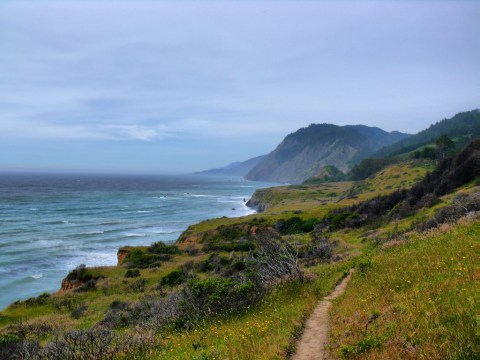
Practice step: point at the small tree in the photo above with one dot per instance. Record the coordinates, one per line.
(444, 145)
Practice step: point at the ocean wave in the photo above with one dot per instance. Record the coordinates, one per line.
(56, 222)
(161, 230)
(86, 233)
(113, 222)
(134, 235)
(144, 211)
(36, 276)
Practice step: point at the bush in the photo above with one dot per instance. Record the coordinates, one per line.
(213, 263)
(137, 286)
(162, 248)
(275, 259)
(79, 274)
(39, 300)
(131, 273)
(175, 277)
(369, 166)
(240, 245)
(216, 295)
(319, 250)
(426, 153)
(142, 259)
(88, 286)
(295, 225)
(79, 311)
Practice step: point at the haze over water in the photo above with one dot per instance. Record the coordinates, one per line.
(51, 223)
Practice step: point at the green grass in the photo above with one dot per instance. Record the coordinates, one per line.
(407, 299)
(394, 177)
(262, 332)
(413, 300)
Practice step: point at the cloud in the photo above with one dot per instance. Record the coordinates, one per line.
(243, 71)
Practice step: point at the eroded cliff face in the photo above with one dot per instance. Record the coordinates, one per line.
(121, 255)
(68, 285)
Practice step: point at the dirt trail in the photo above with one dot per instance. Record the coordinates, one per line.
(315, 336)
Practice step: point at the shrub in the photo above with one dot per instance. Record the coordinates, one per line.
(137, 286)
(12, 347)
(91, 344)
(295, 225)
(131, 273)
(142, 259)
(320, 249)
(275, 259)
(39, 300)
(240, 245)
(79, 274)
(88, 286)
(175, 277)
(162, 248)
(364, 265)
(213, 263)
(79, 311)
(216, 295)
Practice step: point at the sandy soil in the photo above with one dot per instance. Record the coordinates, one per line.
(315, 336)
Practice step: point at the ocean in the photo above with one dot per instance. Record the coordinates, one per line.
(51, 223)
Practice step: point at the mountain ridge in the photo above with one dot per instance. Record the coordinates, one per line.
(237, 168)
(302, 153)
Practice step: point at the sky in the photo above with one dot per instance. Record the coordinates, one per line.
(180, 86)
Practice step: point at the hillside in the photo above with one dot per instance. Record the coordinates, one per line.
(239, 168)
(303, 153)
(463, 127)
(327, 173)
(243, 288)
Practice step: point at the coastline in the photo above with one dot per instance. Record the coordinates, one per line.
(80, 236)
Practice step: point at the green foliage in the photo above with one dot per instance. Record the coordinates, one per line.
(8, 339)
(328, 173)
(367, 343)
(39, 300)
(143, 259)
(79, 274)
(444, 145)
(427, 152)
(295, 225)
(369, 166)
(217, 294)
(131, 273)
(364, 265)
(175, 277)
(161, 248)
(213, 262)
(464, 126)
(241, 245)
(338, 219)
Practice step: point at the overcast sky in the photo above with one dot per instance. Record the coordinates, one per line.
(176, 86)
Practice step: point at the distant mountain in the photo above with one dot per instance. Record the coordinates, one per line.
(462, 128)
(303, 153)
(238, 168)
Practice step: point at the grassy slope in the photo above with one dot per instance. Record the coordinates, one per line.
(415, 300)
(265, 331)
(394, 177)
(316, 200)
